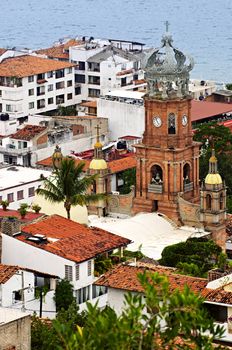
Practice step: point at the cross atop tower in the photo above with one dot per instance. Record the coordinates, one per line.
(98, 127)
(167, 24)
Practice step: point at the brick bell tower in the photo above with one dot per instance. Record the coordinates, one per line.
(167, 158)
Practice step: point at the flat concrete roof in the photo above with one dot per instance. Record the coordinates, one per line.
(126, 94)
(16, 176)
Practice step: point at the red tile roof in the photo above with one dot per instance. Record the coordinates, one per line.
(73, 241)
(24, 66)
(6, 272)
(218, 295)
(204, 109)
(129, 137)
(2, 51)
(125, 277)
(115, 166)
(59, 51)
(28, 132)
(29, 216)
(124, 72)
(92, 104)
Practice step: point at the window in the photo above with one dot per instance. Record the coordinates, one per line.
(208, 202)
(81, 65)
(40, 103)
(82, 295)
(59, 99)
(221, 202)
(89, 267)
(50, 100)
(69, 70)
(171, 124)
(94, 92)
(68, 273)
(59, 73)
(77, 272)
(41, 76)
(50, 74)
(10, 197)
(80, 78)
(31, 191)
(0, 92)
(20, 195)
(69, 96)
(30, 78)
(9, 108)
(69, 83)
(60, 85)
(31, 92)
(50, 87)
(0, 198)
(78, 90)
(17, 296)
(98, 290)
(31, 105)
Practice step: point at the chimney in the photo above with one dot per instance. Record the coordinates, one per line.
(10, 226)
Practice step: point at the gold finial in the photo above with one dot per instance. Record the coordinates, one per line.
(98, 143)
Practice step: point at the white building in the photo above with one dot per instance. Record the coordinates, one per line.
(64, 248)
(18, 290)
(217, 293)
(125, 111)
(101, 69)
(36, 141)
(30, 85)
(18, 184)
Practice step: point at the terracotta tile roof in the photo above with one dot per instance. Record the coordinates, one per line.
(24, 66)
(29, 216)
(125, 277)
(70, 239)
(204, 109)
(139, 81)
(122, 164)
(59, 51)
(2, 51)
(28, 132)
(6, 272)
(218, 295)
(115, 166)
(129, 137)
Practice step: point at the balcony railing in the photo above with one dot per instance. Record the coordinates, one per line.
(188, 187)
(155, 188)
(15, 151)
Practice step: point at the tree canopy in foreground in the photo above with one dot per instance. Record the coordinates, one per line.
(160, 320)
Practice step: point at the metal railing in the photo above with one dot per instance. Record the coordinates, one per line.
(155, 188)
(188, 187)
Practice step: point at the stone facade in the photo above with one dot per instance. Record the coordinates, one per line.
(121, 203)
(167, 159)
(16, 334)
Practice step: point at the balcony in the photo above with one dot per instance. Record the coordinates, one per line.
(15, 151)
(155, 188)
(188, 187)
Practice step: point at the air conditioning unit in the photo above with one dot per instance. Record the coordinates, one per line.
(116, 193)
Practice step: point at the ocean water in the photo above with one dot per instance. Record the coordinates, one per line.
(201, 28)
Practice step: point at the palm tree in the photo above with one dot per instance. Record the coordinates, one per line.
(68, 185)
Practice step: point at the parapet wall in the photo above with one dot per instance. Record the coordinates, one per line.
(189, 213)
(121, 203)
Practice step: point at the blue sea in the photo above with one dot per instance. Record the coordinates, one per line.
(202, 28)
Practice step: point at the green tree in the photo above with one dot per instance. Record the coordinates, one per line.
(129, 179)
(141, 324)
(68, 185)
(65, 111)
(63, 295)
(229, 86)
(219, 137)
(194, 257)
(43, 335)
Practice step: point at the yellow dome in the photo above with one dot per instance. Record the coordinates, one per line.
(98, 164)
(213, 179)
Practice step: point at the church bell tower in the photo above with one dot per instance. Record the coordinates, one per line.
(167, 158)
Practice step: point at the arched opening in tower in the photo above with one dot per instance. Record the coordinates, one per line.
(156, 175)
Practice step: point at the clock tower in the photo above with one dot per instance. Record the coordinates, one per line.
(167, 158)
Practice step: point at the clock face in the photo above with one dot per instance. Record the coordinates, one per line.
(184, 120)
(157, 122)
